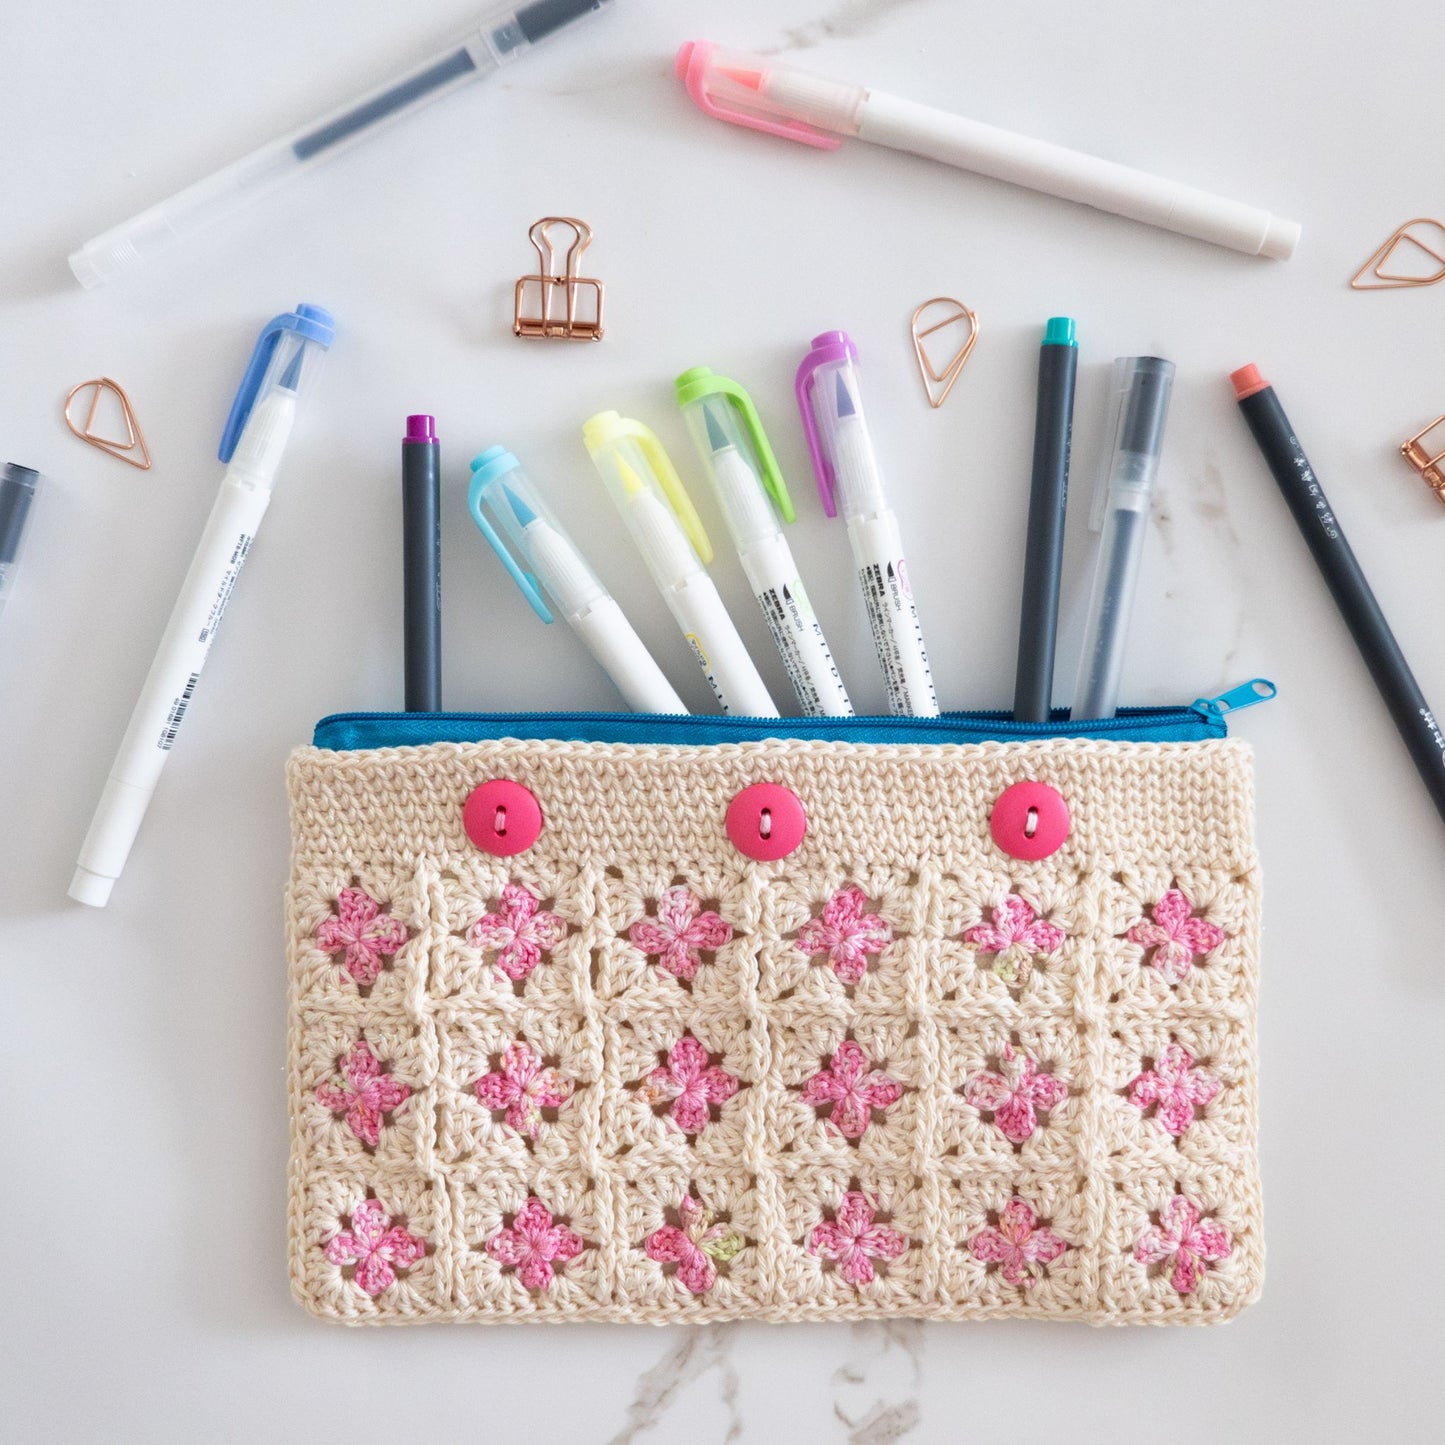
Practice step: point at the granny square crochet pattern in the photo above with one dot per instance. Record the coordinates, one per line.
(631, 1074)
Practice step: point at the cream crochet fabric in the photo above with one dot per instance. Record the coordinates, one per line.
(629, 1074)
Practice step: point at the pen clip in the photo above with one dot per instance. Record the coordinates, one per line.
(768, 469)
(309, 323)
(832, 348)
(694, 66)
(525, 580)
(671, 484)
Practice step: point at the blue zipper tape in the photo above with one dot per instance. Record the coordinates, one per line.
(351, 730)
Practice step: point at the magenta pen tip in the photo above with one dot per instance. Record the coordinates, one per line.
(421, 428)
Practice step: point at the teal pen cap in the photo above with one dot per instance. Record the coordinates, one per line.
(1060, 331)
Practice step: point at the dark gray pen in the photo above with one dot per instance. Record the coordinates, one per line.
(1044, 549)
(421, 564)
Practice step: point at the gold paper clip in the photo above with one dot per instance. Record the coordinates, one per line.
(553, 278)
(1425, 460)
(1404, 242)
(113, 446)
(932, 376)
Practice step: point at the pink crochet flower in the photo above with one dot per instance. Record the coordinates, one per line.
(680, 934)
(376, 1246)
(363, 1093)
(523, 1088)
(1020, 1246)
(690, 1083)
(853, 1240)
(1175, 935)
(532, 1243)
(697, 1248)
(1189, 1241)
(846, 933)
(1016, 935)
(1176, 1086)
(851, 1090)
(520, 931)
(1014, 1094)
(366, 933)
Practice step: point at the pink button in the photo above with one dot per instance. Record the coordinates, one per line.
(766, 821)
(1030, 821)
(502, 817)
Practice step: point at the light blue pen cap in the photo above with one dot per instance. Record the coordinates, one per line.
(489, 500)
(506, 504)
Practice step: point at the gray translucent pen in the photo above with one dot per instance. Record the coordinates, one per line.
(499, 38)
(1139, 404)
(17, 492)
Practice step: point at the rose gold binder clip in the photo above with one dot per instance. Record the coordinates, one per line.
(1410, 247)
(134, 441)
(558, 287)
(938, 383)
(1426, 457)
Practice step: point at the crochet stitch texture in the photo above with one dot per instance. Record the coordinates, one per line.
(630, 1074)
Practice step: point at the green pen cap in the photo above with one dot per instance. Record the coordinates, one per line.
(715, 405)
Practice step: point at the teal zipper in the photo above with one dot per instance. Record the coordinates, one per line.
(1200, 721)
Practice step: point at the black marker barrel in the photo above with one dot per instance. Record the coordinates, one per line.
(1321, 529)
(421, 564)
(1044, 548)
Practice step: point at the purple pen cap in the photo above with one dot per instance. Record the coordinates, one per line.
(420, 428)
(831, 348)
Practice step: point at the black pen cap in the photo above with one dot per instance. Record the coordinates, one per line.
(1146, 405)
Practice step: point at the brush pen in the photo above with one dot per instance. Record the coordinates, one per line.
(649, 495)
(1140, 404)
(851, 483)
(768, 95)
(505, 504)
(421, 501)
(1044, 548)
(1333, 556)
(283, 365)
(754, 502)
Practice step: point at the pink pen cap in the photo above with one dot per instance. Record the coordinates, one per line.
(757, 92)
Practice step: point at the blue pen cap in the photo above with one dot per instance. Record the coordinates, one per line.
(286, 357)
(526, 535)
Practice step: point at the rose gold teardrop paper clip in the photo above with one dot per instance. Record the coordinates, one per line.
(134, 440)
(938, 383)
(1404, 242)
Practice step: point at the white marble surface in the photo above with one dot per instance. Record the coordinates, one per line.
(142, 1113)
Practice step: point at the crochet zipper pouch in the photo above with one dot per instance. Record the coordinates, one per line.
(609, 1017)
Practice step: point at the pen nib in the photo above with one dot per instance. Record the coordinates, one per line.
(523, 513)
(716, 436)
(291, 377)
(845, 401)
(631, 482)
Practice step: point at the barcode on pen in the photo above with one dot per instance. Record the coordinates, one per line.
(177, 712)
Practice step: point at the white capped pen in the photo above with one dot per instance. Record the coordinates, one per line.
(850, 482)
(505, 504)
(285, 361)
(648, 493)
(763, 94)
(754, 502)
